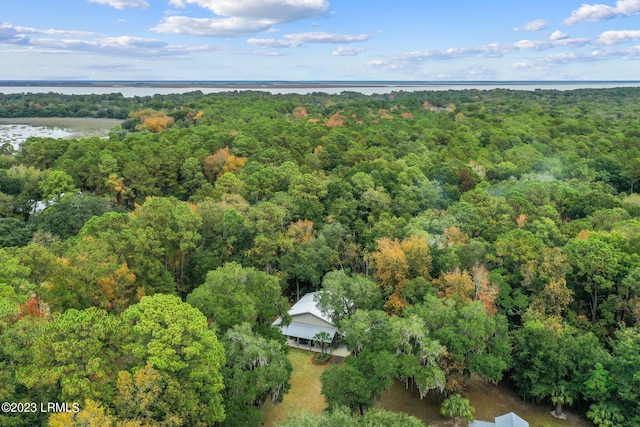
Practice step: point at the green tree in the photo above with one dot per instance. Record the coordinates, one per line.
(322, 339)
(615, 389)
(476, 342)
(56, 185)
(176, 339)
(92, 414)
(343, 417)
(386, 347)
(232, 295)
(90, 274)
(308, 191)
(342, 295)
(16, 352)
(552, 360)
(14, 232)
(457, 407)
(78, 353)
(143, 396)
(305, 262)
(14, 273)
(268, 222)
(257, 370)
(66, 217)
(165, 231)
(9, 305)
(595, 266)
(344, 385)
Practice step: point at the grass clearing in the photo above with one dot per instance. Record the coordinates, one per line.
(304, 392)
(488, 400)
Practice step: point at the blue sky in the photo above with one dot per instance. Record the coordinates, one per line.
(319, 40)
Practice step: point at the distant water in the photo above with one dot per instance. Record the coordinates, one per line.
(15, 134)
(17, 130)
(131, 89)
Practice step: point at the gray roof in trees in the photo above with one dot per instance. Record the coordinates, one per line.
(306, 305)
(506, 420)
(301, 330)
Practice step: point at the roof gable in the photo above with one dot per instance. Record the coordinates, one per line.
(506, 420)
(510, 420)
(308, 305)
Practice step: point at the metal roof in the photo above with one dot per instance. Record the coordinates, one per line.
(307, 304)
(481, 424)
(302, 330)
(506, 420)
(510, 420)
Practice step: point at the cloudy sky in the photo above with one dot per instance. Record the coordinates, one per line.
(320, 40)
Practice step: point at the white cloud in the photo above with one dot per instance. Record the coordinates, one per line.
(273, 43)
(18, 35)
(475, 72)
(126, 41)
(409, 60)
(531, 44)
(111, 46)
(600, 12)
(628, 7)
(347, 51)
(275, 11)
(240, 17)
(537, 25)
(632, 53)
(521, 64)
(52, 41)
(320, 37)
(210, 27)
(125, 46)
(609, 38)
(560, 41)
(123, 4)
(52, 32)
(558, 35)
(10, 35)
(299, 39)
(116, 68)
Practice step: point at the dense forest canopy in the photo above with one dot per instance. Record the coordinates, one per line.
(490, 233)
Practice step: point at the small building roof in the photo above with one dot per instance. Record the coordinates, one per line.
(308, 304)
(510, 420)
(481, 424)
(506, 420)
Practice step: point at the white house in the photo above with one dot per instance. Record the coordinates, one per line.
(306, 321)
(506, 420)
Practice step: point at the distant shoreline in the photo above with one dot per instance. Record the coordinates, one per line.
(276, 84)
(132, 88)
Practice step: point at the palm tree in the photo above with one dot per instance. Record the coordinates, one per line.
(322, 338)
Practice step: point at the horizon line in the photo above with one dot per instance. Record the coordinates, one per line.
(280, 84)
(311, 81)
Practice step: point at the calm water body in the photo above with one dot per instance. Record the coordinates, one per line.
(17, 130)
(150, 89)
